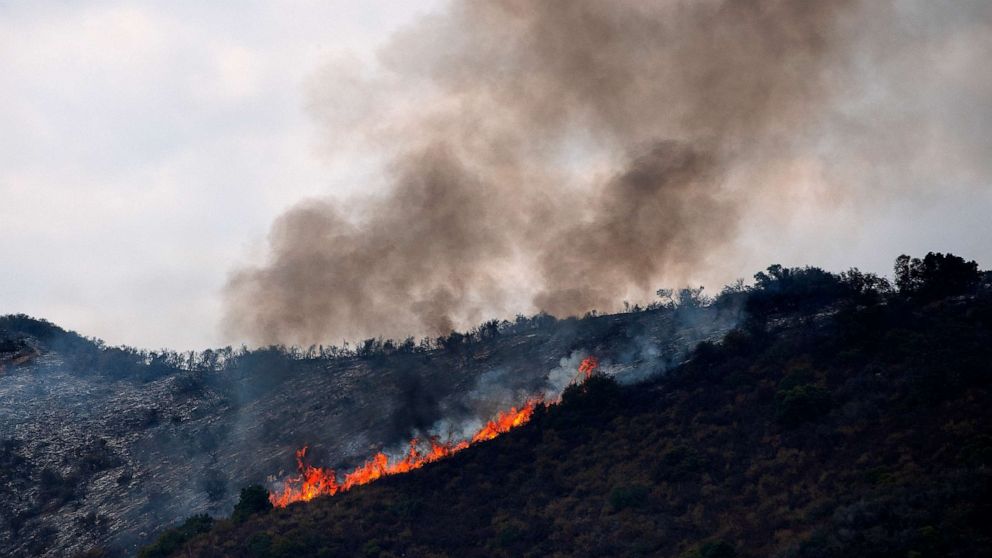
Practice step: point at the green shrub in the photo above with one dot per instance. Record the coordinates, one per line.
(254, 499)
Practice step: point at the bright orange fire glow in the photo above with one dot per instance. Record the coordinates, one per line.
(319, 481)
(588, 366)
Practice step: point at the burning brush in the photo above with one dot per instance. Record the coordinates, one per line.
(312, 482)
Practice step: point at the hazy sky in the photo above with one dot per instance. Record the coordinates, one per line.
(146, 147)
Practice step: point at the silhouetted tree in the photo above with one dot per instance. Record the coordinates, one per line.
(489, 330)
(690, 297)
(936, 275)
(803, 289)
(452, 342)
(254, 499)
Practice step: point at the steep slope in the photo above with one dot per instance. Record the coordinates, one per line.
(104, 447)
(840, 421)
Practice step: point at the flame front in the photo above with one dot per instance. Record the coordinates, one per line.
(588, 366)
(318, 481)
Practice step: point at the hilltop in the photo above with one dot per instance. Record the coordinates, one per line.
(843, 417)
(103, 447)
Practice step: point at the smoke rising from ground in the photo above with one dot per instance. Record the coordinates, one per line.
(565, 155)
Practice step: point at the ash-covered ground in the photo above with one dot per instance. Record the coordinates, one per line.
(94, 454)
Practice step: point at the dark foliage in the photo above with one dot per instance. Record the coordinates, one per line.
(10, 457)
(10, 344)
(628, 496)
(713, 549)
(55, 489)
(800, 404)
(214, 484)
(173, 539)
(936, 275)
(799, 290)
(98, 457)
(254, 500)
(853, 424)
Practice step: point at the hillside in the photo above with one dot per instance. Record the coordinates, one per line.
(842, 418)
(103, 447)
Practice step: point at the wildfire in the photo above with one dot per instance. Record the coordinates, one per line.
(588, 366)
(506, 420)
(319, 481)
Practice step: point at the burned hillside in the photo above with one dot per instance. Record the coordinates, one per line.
(104, 446)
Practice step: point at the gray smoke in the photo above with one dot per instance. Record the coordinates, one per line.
(565, 155)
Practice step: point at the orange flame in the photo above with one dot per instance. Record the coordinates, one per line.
(588, 366)
(318, 481)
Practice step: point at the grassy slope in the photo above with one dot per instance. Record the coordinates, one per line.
(863, 432)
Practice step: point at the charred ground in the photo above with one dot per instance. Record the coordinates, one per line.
(103, 447)
(843, 418)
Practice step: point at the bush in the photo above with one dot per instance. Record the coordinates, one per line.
(254, 500)
(598, 393)
(259, 544)
(372, 548)
(679, 463)
(936, 275)
(57, 490)
(173, 539)
(801, 404)
(214, 484)
(796, 289)
(98, 457)
(193, 382)
(865, 287)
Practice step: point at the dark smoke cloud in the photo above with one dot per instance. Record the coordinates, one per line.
(547, 155)
(647, 219)
(416, 256)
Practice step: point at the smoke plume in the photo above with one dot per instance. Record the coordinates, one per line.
(554, 155)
